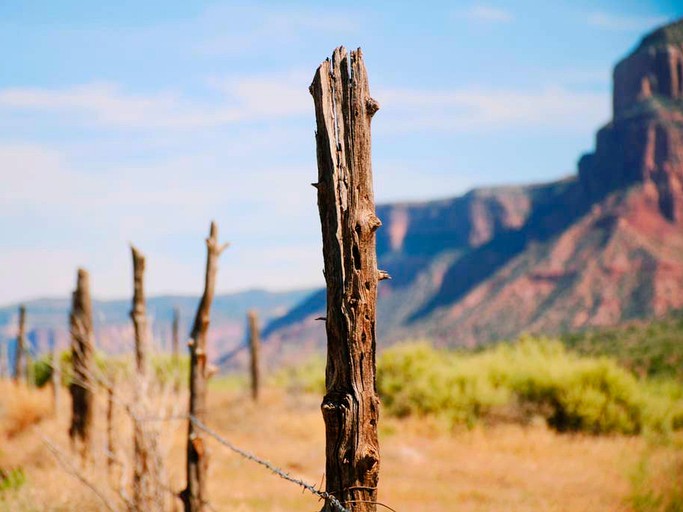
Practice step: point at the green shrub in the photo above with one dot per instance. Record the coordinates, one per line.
(417, 379)
(41, 371)
(526, 378)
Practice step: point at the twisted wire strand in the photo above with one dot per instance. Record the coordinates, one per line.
(250, 456)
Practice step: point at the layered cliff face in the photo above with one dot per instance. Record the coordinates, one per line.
(644, 141)
(595, 249)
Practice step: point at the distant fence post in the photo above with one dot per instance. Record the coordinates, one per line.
(175, 341)
(82, 382)
(194, 496)
(147, 490)
(139, 312)
(175, 350)
(344, 110)
(20, 368)
(111, 447)
(3, 360)
(254, 348)
(55, 378)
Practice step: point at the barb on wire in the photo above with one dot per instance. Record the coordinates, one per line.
(250, 456)
(61, 458)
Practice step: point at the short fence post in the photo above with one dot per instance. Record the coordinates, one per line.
(175, 341)
(139, 313)
(147, 463)
(175, 348)
(20, 364)
(55, 378)
(254, 346)
(81, 386)
(3, 361)
(194, 495)
(111, 447)
(344, 109)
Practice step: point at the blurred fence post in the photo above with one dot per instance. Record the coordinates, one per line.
(111, 447)
(194, 495)
(254, 348)
(350, 408)
(175, 350)
(55, 379)
(82, 381)
(20, 366)
(175, 341)
(147, 489)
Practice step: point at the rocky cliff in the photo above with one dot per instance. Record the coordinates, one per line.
(597, 248)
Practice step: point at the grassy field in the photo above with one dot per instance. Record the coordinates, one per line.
(426, 464)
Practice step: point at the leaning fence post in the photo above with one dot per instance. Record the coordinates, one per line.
(194, 496)
(254, 346)
(20, 367)
(81, 386)
(146, 460)
(344, 109)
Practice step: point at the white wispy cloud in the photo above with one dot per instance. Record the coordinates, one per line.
(620, 22)
(486, 14)
(281, 96)
(492, 109)
(246, 98)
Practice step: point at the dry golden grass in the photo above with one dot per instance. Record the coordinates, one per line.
(424, 466)
(21, 407)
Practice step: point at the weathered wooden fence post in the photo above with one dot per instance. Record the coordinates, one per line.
(139, 312)
(194, 496)
(82, 348)
(30, 377)
(55, 379)
(111, 447)
(344, 109)
(175, 341)
(20, 366)
(147, 490)
(254, 348)
(176, 371)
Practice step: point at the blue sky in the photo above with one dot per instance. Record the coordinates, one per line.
(140, 122)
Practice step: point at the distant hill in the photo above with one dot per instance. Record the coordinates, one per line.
(47, 319)
(599, 248)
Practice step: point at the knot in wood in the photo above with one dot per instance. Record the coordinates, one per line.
(371, 106)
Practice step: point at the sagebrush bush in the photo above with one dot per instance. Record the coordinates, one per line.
(531, 376)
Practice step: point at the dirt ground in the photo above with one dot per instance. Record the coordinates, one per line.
(425, 467)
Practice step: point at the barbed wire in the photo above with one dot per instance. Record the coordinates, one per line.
(103, 381)
(277, 471)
